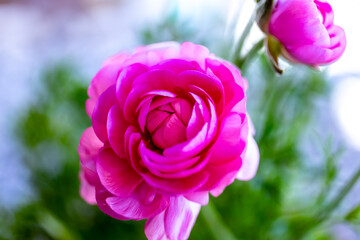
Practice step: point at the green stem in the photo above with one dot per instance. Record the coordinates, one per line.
(219, 230)
(337, 200)
(251, 54)
(235, 53)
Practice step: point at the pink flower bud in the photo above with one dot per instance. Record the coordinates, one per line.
(305, 30)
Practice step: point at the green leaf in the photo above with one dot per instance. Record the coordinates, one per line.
(354, 215)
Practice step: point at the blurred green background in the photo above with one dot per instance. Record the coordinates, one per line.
(295, 194)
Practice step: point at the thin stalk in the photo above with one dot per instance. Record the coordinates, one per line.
(218, 228)
(251, 54)
(337, 200)
(237, 48)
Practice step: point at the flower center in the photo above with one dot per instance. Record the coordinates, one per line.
(167, 123)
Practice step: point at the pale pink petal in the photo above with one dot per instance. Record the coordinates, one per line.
(89, 106)
(176, 222)
(87, 191)
(180, 217)
(116, 174)
(177, 65)
(193, 52)
(89, 147)
(251, 162)
(155, 228)
(198, 197)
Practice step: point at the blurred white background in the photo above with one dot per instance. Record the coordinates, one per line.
(37, 33)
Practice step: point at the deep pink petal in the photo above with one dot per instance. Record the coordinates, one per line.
(232, 139)
(212, 86)
(116, 128)
(190, 147)
(172, 131)
(183, 109)
(101, 110)
(173, 171)
(152, 80)
(125, 80)
(101, 196)
(233, 87)
(116, 174)
(177, 186)
(196, 122)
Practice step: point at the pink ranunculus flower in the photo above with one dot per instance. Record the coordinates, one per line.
(169, 127)
(306, 31)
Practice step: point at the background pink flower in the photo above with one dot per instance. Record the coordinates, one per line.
(305, 29)
(169, 126)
